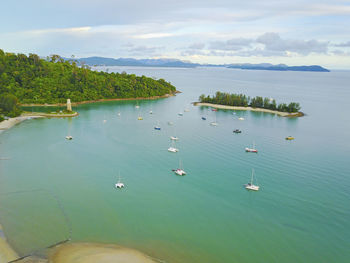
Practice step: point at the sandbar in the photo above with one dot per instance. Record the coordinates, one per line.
(226, 107)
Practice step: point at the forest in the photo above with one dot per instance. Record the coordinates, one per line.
(242, 100)
(31, 79)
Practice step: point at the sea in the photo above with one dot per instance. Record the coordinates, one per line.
(53, 190)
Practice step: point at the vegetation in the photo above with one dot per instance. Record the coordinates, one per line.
(8, 106)
(35, 80)
(223, 98)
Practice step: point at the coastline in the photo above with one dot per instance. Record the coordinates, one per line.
(6, 252)
(7, 124)
(99, 100)
(226, 107)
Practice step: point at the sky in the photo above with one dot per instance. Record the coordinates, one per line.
(298, 32)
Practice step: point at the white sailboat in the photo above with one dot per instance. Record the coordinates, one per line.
(119, 184)
(214, 123)
(252, 150)
(69, 137)
(180, 171)
(173, 148)
(174, 138)
(251, 186)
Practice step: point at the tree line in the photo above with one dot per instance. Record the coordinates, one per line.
(242, 100)
(32, 79)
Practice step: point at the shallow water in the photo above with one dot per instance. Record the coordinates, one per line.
(300, 214)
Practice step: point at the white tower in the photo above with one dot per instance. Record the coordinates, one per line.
(69, 105)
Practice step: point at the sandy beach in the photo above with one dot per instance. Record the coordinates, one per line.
(225, 107)
(7, 124)
(101, 253)
(6, 252)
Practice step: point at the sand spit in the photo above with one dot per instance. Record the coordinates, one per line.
(225, 107)
(101, 253)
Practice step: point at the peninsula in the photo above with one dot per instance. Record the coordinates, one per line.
(33, 80)
(223, 100)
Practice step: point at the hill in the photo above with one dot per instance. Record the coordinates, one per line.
(34, 80)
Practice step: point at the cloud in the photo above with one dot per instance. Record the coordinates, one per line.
(197, 46)
(345, 44)
(273, 42)
(231, 44)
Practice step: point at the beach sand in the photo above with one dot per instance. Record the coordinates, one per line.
(6, 252)
(7, 124)
(101, 253)
(225, 107)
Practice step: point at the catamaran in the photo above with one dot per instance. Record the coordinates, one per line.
(252, 150)
(251, 186)
(119, 184)
(179, 171)
(173, 148)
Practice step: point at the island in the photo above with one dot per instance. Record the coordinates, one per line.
(223, 100)
(176, 63)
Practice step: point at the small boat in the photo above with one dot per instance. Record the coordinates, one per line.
(204, 118)
(237, 131)
(119, 184)
(174, 138)
(170, 123)
(69, 137)
(180, 114)
(241, 118)
(214, 109)
(119, 113)
(214, 123)
(179, 171)
(157, 127)
(139, 118)
(252, 150)
(173, 148)
(289, 138)
(251, 186)
(186, 110)
(137, 106)
(150, 112)
(104, 121)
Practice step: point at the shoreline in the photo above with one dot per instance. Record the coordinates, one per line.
(99, 100)
(7, 124)
(226, 107)
(7, 254)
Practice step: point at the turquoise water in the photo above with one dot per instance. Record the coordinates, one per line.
(300, 214)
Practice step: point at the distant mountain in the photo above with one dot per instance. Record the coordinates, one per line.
(163, 62)
(279, 67)
(101, 61)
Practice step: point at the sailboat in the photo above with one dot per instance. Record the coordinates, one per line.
(174, 138)
(251, 186)
(69, 137)
(214, 123)
(119, 184)
(252, 150)
(179, 171)
(173, 148)
(157, 127)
